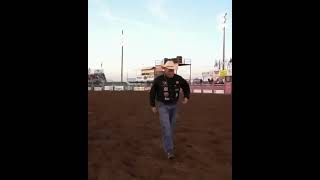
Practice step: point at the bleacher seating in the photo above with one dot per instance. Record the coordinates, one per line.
(97, 79)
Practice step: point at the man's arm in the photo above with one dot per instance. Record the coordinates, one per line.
(153, 93)
(185, 87)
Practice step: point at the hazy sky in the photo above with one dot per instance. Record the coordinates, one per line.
(155, 29)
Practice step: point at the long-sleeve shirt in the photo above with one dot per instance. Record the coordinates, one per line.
(167, 90)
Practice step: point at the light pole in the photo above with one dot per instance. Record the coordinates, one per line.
(224, 37)
(122, 58)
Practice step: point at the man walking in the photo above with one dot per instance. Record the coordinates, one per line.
(165, 90)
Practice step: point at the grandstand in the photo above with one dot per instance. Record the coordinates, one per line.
(216, 81)
(96, 79)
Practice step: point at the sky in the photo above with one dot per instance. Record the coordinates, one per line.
(155, 29)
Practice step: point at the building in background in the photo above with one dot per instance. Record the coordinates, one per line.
(207, 76)
(146, 74)
(96, 78)
(158, 70)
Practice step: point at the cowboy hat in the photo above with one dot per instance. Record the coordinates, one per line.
(169, 65)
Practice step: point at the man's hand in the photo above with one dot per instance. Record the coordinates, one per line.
(185, 100)
(154, 109)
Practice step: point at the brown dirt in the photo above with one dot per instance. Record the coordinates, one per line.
(125, 140)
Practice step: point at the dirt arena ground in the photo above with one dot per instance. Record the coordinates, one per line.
(125, 140)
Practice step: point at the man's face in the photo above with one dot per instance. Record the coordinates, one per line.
(169, 72)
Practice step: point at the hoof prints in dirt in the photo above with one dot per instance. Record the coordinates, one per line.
(214, 141)
(125, 139)
(132, 174)
(127, 163)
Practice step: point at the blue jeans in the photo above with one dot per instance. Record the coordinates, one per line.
(168, 121)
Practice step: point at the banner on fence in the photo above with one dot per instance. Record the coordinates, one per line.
(138, 88)
(207, 88)
(219, 91)
(98, 88)
(108, 88)
(207, 91)
(118, 88)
